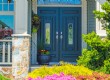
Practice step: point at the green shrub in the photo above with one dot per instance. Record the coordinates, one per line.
(67, 69)
(3, 78)
(98, 56)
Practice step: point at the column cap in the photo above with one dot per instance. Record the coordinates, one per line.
(28, 35)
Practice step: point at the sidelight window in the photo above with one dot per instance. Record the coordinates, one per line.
(70, 33)
(47, 33)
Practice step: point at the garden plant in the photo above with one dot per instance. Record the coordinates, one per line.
(97, 56)
(66, 71)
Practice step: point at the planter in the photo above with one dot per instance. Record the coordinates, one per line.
(43, 59)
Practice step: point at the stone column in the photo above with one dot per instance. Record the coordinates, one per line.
(20, 41)
(20, 55)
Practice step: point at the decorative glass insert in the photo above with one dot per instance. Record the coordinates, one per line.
(67, 2)
(5, 5)
(47, 33)
(70, 33)
(7, 20)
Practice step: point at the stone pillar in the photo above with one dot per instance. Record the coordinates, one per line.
(20, 55)
(20, 41)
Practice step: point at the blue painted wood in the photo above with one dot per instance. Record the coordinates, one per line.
(70, 52)
(59, 2)
(49, 15)
(59, 18)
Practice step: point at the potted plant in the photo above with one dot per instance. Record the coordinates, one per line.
(43, 56)
(35, 23)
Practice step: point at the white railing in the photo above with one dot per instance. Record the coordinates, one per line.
(5, 52)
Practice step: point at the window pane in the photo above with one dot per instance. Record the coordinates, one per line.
(47, 33)
(59, 2)
(7, 20)
(5, 7)
(11, 7)
(70, 33)
(0, 1)
(5, 1)
(0, 7)
(12, 1)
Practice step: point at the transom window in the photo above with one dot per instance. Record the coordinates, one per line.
(6, 5)
(66, 2)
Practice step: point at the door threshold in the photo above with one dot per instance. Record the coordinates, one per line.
(58, 63)
(52, 63)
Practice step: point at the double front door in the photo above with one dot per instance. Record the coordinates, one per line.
(60, 32)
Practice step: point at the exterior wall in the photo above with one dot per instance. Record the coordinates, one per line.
(91, 21)
(99, 29)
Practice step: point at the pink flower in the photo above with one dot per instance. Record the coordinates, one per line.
(62, 76)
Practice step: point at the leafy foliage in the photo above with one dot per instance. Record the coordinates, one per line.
(98, 56)
(3, 78)
(104, 16)
(35, 23)
(67, 69)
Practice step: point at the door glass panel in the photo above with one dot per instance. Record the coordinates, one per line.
(70, 33)
(47, 33)
(67, 2)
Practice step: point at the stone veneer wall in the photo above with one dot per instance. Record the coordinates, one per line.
(7, 72)
(20, 56)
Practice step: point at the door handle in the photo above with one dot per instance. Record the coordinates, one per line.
(56, 35)
(61, 36)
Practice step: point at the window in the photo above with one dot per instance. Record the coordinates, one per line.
(5, 5)
(67, 2)
(47, 33)
(70, 33)
(6, 18)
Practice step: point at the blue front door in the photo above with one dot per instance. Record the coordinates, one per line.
(60, 32)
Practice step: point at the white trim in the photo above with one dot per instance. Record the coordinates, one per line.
(99, 29)
(84, 21)
(7, 13)
(21, 16)
(21, 35)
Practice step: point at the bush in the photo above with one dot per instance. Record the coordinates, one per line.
(95, 76)
(3, 78)
(67, 69)
(98, 56)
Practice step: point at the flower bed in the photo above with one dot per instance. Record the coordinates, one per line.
(55, 77)
(66, 72)
(67, 69)
(62, 76)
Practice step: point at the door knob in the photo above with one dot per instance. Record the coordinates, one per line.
(61, 35)
(56, 35)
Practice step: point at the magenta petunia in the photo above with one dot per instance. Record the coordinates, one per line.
(62, 76)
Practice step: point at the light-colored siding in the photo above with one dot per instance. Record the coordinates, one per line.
(91, 21)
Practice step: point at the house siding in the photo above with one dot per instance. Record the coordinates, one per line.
(91, 21)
